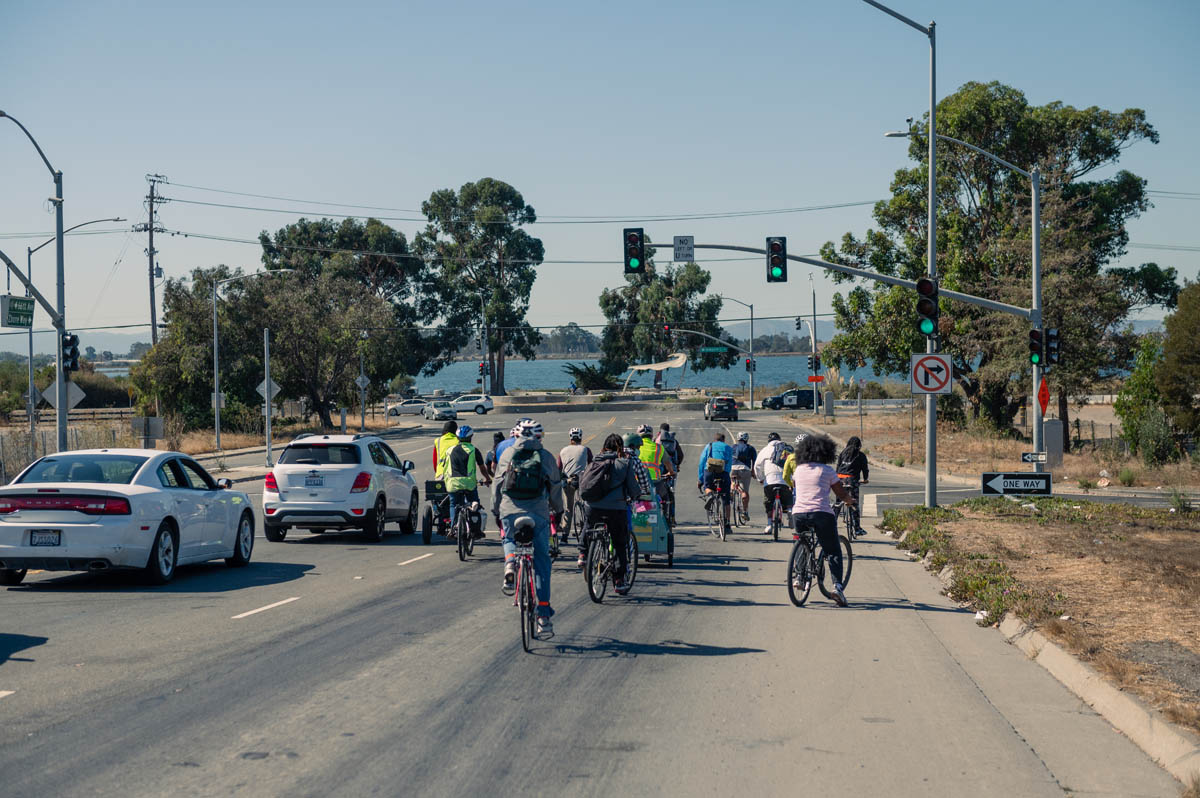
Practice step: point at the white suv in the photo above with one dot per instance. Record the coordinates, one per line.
(473, 402)
(323, 482)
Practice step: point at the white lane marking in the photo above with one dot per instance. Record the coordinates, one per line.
(264, 609)
(414, 559)
(870, 506)
(6, 693)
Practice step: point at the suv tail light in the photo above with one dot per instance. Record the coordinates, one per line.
(361, 482)
(88, 505)
(270, 483)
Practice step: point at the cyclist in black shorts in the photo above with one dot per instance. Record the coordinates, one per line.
(853, 462)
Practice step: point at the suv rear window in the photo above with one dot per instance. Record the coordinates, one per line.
(96, 468)
(722, 403)
(320, 454)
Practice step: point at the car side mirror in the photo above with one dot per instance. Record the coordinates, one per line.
(409, 465)
(224, 484)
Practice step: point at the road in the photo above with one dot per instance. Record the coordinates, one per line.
(331, 666)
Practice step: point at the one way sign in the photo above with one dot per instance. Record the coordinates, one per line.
(1019, 484)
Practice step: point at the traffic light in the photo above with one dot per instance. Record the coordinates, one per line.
(749, 364)
(776, 259)
(482, 367)
(635, 250)
(666, 329)
(1036, 350)
(816, 363)
(1052, 346)
(927, 307)
(70, 350)
(810, 363)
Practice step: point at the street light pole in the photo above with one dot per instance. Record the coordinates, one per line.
(483, 382)
(362, 380)
(753, 364)
(931, 345)
(29, 403)
(813, 329)
(61, 410)
(217, 343)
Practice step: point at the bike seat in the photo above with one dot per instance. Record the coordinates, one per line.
(523, 529)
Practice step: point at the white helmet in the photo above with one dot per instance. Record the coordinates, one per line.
(645, 430)
(515, 432)
(743, 437)
(531, 429)
(576, 434)
(800, 438)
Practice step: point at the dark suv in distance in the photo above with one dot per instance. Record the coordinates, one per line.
(721, 407)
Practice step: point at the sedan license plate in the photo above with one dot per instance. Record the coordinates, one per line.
(314, 482)
(45, 537)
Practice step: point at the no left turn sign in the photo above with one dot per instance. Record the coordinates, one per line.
(930, 374)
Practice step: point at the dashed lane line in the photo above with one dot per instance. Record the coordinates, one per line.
(264, 609)
(414, 559)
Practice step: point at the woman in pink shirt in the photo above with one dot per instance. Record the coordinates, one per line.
(808, 472)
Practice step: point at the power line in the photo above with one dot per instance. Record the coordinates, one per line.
(50, 233)
(1169, 247)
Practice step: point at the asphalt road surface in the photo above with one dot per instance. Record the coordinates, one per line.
(331, 666)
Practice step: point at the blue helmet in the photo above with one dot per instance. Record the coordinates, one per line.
(465, 432)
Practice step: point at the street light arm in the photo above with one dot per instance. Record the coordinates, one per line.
(36, 146)
(899, 16)
(69, 229)
(897, 134)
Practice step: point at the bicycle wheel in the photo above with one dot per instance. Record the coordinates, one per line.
(525, 604)
(596, 570)
(713, 519)
(462, 535)
(847, 565)
(799, 573)
(631, 552)
(579, 519)
(776, 520)
(723, 519)
(848, 520)
(470, 541)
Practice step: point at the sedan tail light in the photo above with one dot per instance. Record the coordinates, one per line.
(270, 484)
(361, 482)
(88, 505)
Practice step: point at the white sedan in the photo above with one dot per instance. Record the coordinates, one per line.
(409, 407)
(100, 509)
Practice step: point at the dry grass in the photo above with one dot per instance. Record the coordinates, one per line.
(1192, 790)
(1125, 581)
(202, 441)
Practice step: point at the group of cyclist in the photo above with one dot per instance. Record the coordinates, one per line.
(531, 482)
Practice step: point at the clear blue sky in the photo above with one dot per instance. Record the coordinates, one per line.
(620, 108)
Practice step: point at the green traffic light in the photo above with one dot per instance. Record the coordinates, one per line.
(634, 263)
(927, 326)
(1035, 358)
(776, 271)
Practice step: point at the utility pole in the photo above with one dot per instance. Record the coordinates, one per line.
(813, 329)
(150, 228)
(267, 385)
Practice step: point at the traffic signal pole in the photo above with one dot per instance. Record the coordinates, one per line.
(1035, 177)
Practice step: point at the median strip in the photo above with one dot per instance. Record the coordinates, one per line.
(414, 559)
(264, 609)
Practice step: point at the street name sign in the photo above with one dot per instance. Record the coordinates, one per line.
(1019, 484)
(685, 249)
(1033, 457)
(930, 374)
(16, 311)
(262, 390)
(714, 349)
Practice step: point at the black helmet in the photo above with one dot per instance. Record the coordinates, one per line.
(774, 436)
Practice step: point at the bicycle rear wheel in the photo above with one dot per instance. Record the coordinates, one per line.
(631, 552)
(776, 520)
(578, 519)
(847, 566)
(723, 519)
(596, 570)
(462, 535)
(799, 575)
(525, 604)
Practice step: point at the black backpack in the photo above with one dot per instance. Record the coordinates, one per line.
(525, 479)
(780, 456)
(598, 479)
(671, 444)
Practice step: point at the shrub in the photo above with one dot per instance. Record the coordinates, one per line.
(1154, 439)
(1126, 476)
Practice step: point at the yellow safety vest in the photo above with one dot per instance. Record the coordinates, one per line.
(652, 454)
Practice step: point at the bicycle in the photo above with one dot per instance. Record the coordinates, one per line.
(462, 532)
(777, 516)
(718, 521)
(602, 561)
(846, 513)
(525, 599)
(805, 567)
(578, 517)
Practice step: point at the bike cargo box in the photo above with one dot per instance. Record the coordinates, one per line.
(650, 529)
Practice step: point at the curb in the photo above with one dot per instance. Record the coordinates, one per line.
(594, 407)
(1166, 744)
(1174, 749)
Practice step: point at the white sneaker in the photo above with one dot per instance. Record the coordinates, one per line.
(767, 529)
(545, 629)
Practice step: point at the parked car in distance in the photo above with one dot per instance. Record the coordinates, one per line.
(409, 407)
(473, 403)
(794, 399)
(334, 482)
(440, 410)
(102, 509)
(721, 407)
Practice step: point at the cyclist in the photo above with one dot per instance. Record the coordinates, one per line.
(744, 456)
(654, 456)
(853, 462)
(490, 460)
(572, 461)
(811, 477)
(675, 452)
(462, 467)
(447, 440)
(712, 472)
(768, 468)
(632, 450)
(513, 434)
(613, 508)
(527, 484)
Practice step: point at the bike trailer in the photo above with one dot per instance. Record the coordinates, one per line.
(651, 531)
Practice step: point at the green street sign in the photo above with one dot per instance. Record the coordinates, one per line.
(714, 349)
(16, 311)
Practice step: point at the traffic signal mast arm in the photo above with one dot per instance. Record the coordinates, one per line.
(33, 292)
(1024, 313)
